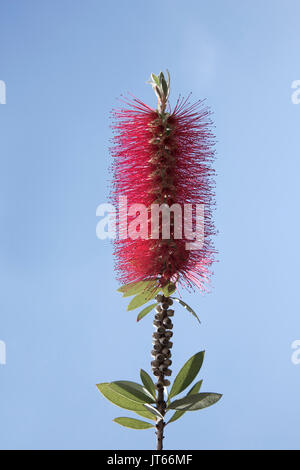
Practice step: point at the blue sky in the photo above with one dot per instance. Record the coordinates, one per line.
(65, 63)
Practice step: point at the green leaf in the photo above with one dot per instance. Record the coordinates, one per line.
(133, 423)
(145, 414)
(145, 311)
(148, 383)
(134, 288)
(195, 402)
(169, 289)
(193, 390)
(157, 91)
(189, 309)
(132, 390)
(153, 410)
(161, 77)
(187, 374)
(118, 399)
(143, 298)
(164, 86)
(168, 78)
(155, 79)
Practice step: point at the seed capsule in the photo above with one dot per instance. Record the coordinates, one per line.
(165, 305)
(167, 323)
(158, 309)
(166, 382)
(157, 347)
(155, 363)
(168, 372)
(160, 357)
(154, 353)
(169, 334)
(159, 298)
(161, 330)
(170, 312)
(170, 301)
(163, 341)
(165, 351)
(157, 323)
(167, 362)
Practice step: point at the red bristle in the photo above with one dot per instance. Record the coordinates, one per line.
(160, 160)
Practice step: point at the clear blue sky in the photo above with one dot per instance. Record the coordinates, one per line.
(66, 328)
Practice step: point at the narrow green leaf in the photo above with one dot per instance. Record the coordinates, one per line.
(157, 91)
(155, 79)
(143, 298)
(193, 390)
(187, 307)
(161, 77)
(132, 390)
(187, 374)
(195, 402)
(145, 414)
(148, 383)
(169, 289)
(145, 311)
(164, 86)
(133, 423)
(153, 410)
(118, 399)
(168, 78)
(134, 288)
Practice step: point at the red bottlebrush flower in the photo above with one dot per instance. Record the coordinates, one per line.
(163, 157)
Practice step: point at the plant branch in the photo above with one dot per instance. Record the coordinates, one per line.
(161, 353)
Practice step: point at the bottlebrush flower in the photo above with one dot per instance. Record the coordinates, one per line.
(164, 156)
